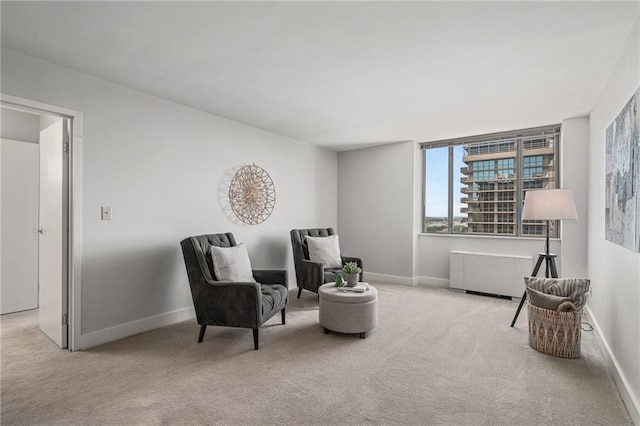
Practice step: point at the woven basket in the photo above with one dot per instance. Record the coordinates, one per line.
(555, 333)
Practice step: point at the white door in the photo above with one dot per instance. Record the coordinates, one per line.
(19, 278)
(53, 225)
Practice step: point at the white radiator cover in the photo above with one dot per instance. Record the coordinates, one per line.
(499, 274)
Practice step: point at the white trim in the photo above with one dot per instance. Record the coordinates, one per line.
(75, 207)
(410, 281)
(38, 107)
(487, 236)
(433, 282)
(75, 235)
(389, 279)
(18, 140)
(629, 398)
(121, 331)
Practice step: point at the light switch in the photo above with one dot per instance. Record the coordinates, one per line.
(106, 213)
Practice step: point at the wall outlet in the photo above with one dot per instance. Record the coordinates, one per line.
(106, 213)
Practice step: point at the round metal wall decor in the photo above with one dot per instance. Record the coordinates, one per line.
(252, 194)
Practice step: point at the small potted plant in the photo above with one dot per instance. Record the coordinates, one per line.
(351, 270)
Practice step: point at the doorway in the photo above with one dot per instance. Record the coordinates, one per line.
(19, 166)
(19, 158)
(58, 252)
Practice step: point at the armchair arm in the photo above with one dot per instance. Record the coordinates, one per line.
(271, 276)
(233, 304)
(312, 275)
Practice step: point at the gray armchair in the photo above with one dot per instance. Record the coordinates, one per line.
(311, 275)
(231, 304)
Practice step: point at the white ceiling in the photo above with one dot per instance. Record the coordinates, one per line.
(342, 74)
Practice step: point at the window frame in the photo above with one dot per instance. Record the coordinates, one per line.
(521, 137)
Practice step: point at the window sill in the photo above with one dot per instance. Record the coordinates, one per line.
(492, 237)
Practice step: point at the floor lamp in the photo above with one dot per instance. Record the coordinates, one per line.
(548, 205)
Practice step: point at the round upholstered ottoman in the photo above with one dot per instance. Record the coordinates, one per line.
(348, 311)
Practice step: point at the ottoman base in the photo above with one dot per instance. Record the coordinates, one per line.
(348, 312)
(362, 335)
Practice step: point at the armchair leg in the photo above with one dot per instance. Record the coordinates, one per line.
(201, 336)
(284, 315)
(255, 338)
(299, 292)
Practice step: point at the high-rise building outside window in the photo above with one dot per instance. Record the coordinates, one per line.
(477, 185)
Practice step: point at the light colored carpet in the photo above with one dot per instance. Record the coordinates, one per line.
(436, 357)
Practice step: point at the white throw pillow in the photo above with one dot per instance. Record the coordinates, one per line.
(325, 250)
(232, 264)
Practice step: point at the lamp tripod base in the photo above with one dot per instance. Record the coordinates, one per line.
(550, 269)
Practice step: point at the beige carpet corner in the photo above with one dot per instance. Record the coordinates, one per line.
(436, 357)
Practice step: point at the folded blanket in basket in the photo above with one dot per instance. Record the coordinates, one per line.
(575, 289)
(548, 301)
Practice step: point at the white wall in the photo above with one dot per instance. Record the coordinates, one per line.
(376, 207)
(574, 154)
(434, 251)
(19, 198)
(614, 270)
(19, 126)
(161, 167)
(572, 260)
(379, 199)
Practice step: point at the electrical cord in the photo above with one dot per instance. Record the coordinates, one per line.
(588, 325)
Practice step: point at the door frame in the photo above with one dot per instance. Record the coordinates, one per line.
(74, 208)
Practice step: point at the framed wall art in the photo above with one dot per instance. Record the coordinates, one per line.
(252, 194)
(622, 187)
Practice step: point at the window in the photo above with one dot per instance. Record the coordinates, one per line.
(437, 190)
(532, 167)
(477, 185)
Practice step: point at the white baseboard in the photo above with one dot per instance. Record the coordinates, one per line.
(629, 398)
(410, 281)
(121, 331)
(389, 279)
(433, 282)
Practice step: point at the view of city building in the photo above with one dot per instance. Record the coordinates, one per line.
(490, 183)
(477, 184)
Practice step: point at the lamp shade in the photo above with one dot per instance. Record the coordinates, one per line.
(549, 204)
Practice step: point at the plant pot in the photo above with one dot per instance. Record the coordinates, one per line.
(352, 279)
